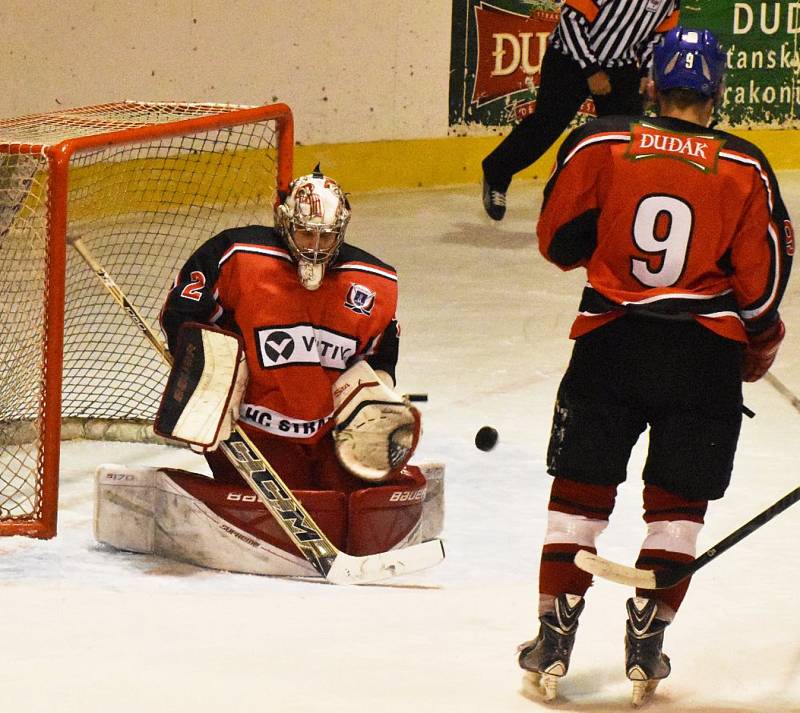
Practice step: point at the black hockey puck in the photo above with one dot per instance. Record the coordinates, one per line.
(486, 438)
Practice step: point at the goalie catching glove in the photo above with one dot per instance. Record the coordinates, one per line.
(201, 400)
(376, 429)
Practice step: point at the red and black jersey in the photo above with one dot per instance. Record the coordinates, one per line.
(670, 219)
(297, 341)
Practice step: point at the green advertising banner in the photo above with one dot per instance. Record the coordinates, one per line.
(761, 39)
(497, 49)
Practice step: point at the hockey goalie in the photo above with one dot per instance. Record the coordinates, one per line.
(291, 333)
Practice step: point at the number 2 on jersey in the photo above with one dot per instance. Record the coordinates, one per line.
(194, 290)
(662, 226)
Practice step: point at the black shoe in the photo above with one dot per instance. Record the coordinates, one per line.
(645, 664)
(494, 201)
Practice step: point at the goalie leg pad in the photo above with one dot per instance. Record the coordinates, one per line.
(201, 400)
(404, 512)
(124, 508)
(386, 517)
(190, 518)
(433, 506)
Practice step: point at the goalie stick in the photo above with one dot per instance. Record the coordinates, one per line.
(650, 579)
(335, 566)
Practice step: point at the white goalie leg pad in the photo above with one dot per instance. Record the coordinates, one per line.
(202, 397)
(124, 507)
(433, 505)
(144, 510)
(376, 429)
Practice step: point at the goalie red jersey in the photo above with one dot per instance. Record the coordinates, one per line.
(692, 225)
(297, 341)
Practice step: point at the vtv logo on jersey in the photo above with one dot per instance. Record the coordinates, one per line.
(653, 142)
(299, 344)
(278, 346)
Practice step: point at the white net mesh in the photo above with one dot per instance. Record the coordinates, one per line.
(55, 127)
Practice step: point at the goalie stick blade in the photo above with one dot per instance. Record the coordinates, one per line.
(606, 569)
(369, 569)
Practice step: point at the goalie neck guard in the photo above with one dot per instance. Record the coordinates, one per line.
(312, 220)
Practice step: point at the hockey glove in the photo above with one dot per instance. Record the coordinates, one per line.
(761, 350)
(376, 429)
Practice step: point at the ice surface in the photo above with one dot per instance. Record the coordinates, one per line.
(87, 630)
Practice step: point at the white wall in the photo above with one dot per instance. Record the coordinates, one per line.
(352, 70)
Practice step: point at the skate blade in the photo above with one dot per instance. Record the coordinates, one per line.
(643, 691)
(540, 685)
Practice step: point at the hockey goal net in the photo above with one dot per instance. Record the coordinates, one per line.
(142, 185)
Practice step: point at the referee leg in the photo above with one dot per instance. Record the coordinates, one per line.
(562, 90)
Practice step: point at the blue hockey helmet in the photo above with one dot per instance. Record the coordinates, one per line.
(689, 59)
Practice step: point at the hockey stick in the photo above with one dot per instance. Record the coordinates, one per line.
(335, 566)
(782, 389)
(650, 579)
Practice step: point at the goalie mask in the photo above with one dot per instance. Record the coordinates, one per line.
(312, 220)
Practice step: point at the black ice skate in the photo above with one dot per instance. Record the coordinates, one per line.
(546, 658)
(494, 201)
(645, 665)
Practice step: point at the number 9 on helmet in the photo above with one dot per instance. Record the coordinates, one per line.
(689, 59)
(312, 220)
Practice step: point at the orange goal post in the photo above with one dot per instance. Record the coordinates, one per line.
(142, 184)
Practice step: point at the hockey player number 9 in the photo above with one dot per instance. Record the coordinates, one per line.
(662, 226)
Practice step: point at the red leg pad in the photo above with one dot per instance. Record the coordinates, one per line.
(240, 507)
(384, 515)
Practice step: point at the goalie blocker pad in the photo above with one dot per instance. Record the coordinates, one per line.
(201, 400)
(192, 518)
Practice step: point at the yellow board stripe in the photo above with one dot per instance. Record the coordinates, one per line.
(358, 167)
(425, 163)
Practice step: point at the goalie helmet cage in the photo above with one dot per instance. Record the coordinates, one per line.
(142, 184)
